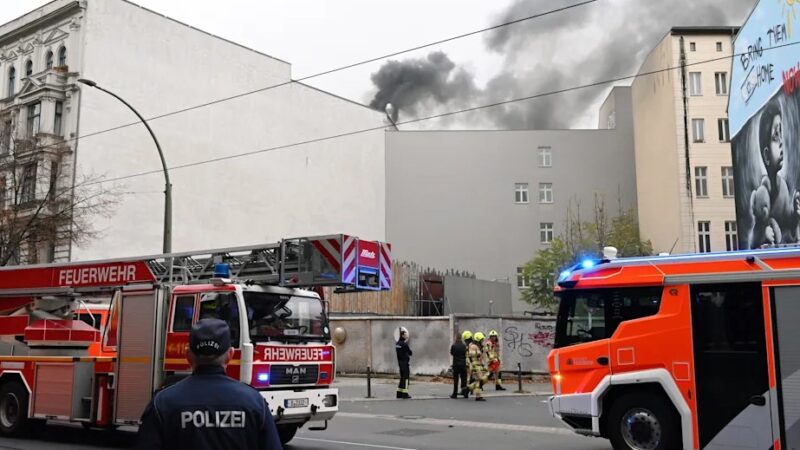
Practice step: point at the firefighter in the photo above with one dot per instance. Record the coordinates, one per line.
(467, 337)
(492, 350)
(208, 410)
(403, 358)
(477, 368)
(459, 353)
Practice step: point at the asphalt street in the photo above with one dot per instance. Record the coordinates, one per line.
(430, 421)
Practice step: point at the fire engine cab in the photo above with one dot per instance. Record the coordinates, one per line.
(681, 352)
(91, 342)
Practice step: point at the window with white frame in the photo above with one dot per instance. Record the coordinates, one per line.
(721, 83)
(523, 281)
(546, 232)
(48, 60)
(698, 130)
(28, 68)
(719, 46)
(62, 56)
(731, 238)
(34, 116)
(704, 236)
(521, 193)
(695, 83)
(545, 192)
(692, 46)
(7, 134)
(722, 129)
(58, 119)
(727, 181)
(545, 157)
(12, 81)
(701, 181)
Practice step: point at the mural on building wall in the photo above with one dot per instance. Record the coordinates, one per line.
(764, 116)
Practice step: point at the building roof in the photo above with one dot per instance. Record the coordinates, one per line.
(728, 30)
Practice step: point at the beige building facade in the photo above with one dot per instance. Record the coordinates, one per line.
(684, 173)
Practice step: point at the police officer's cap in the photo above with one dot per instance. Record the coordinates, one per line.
(210, 337)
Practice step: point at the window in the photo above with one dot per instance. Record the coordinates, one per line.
(731, 240)
(523, 281)
(545, 192)
(33, 250)
(34, 114)
(545, 157)
(704, 236)
(546, 232)
(29, 68)
(7, 133)
(12, 80)
(721, 83)
(183, 314)
(521, 193)
(701, 181)
(89, 318)
(223, 306)
(719, 46)
(727, 181)
(53, 180)
(62, 56)
(48, 61)
(28, 190)
(698, 130)
(282, 316)
(695, 83)
(58, 118)
(593, 314)
(722, 129)
(692, 47)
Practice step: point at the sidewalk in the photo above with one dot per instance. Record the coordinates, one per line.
(354, 389)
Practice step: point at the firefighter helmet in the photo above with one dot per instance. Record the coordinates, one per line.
(466, 335)
(478, 336)
(492, 333)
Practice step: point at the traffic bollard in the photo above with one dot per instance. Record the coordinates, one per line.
(369, 382)
(519, 376)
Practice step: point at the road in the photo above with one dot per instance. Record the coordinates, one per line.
(429, 422)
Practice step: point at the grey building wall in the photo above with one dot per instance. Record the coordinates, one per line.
(450, 199)
(471, 296)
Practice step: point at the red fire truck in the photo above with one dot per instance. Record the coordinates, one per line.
(681, 352)
(91, 341)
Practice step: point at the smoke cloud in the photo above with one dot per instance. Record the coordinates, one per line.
(599, 41)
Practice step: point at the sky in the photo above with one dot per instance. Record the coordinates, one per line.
(601, 40)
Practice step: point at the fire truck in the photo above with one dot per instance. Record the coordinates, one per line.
(91, 342)
(681, 352)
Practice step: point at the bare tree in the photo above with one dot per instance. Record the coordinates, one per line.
(44, 206)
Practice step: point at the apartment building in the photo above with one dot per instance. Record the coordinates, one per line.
(684, 174)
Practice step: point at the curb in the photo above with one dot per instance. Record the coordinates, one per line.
(436, 397)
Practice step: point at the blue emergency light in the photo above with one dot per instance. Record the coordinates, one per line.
(222, 270)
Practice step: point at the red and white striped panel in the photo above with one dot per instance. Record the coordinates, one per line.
(386, 265)
(331, 251)
(349, 259)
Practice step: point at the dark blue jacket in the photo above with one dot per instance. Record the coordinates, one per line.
(403, 351)
(206, 411)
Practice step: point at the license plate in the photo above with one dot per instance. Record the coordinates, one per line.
(296, 402)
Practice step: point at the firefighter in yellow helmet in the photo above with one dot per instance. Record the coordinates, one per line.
(492, 351)
(477, 367)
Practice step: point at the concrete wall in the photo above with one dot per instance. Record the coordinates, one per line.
(160, 65)
(472, 296)
(370, 342)
(450, 194)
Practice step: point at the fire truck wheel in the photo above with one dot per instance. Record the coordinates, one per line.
(643, 421)
(13, 409)
(286, 432)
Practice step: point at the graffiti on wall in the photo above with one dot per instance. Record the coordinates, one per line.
(529, 341)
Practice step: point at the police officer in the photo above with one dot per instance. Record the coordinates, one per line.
(403, 358)
(208, 410)
(459, 353)
(492, 350)
(477, 366)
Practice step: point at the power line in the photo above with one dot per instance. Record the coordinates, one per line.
(436, 116)
(337, 69)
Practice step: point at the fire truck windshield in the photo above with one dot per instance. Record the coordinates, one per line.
(284, 317)
(587, 315)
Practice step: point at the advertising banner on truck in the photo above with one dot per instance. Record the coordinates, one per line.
(764, 117)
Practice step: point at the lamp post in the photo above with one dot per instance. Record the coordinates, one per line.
(167, 248)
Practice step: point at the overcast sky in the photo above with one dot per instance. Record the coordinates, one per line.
(602, 40)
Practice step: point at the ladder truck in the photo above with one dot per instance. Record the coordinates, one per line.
(58, 361)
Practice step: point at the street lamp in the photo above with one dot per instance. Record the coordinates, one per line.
(168, 185)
